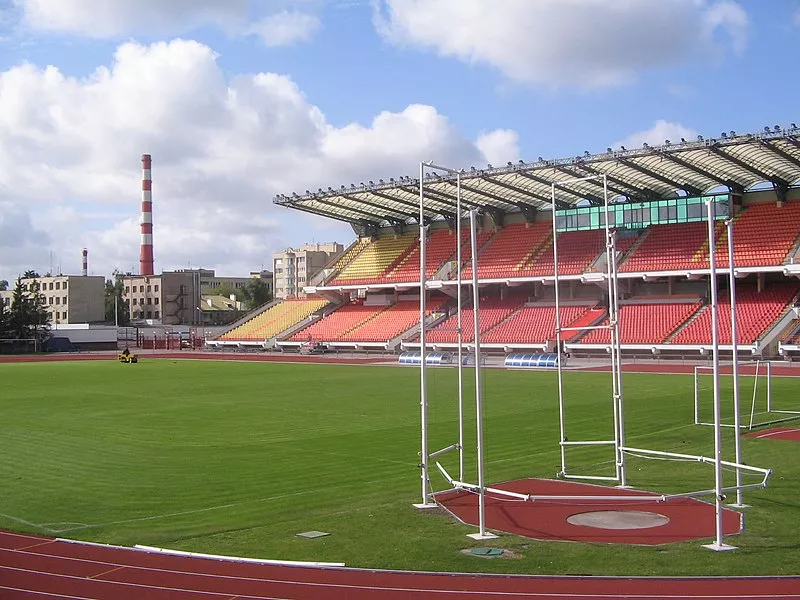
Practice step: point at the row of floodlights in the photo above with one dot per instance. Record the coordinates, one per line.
(429, 175)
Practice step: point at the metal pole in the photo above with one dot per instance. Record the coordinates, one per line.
(423, 382)
(616, 346)
(737, 419)
(482, 534)
(561, 425)
(718, 484)
(460, 332)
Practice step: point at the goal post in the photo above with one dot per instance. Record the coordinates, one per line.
(762, 410)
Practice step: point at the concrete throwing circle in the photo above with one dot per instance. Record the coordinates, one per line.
(618, 519)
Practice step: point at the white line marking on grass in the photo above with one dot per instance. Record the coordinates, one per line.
(28, 523)
(220, 506)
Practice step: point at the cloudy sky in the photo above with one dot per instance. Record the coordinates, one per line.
(240, 100)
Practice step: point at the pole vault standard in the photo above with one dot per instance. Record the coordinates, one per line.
(425, 454)
(615, 350)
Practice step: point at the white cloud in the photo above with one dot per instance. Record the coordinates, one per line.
(657, 135)
(117, 18)
(582, 43)
(499, 146)
(111, 18)
(286, 28)
(222, 148)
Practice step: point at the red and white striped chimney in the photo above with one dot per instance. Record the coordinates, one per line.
(85, 270)
(146, 253)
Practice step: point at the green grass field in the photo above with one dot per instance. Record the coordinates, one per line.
(236, 458)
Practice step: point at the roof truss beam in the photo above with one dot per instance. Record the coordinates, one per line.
(337, 217)
(549, 184)
(780, 152)
(594, 200)
(701, 171)
(774, 180)
(523, 191)
(370, 218)
(688, 188)
(378, 206)
(441, 212)
(616, 185)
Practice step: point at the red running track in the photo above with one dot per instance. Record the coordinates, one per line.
(776, 433)
(38, 567)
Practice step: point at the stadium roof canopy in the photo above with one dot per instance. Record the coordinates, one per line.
(733, 163)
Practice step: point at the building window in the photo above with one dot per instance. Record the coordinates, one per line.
(133, 301)
(65, 285)
(50, 300)
(51, 285)
(148, 288)
(58, 299)
(149, 314)
(127, 289)
(156, 314)
(65, 299)
(58, 285)
(155, 288)
(155, 300)
(63, 315)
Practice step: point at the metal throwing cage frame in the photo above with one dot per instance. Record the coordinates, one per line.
(613, 326)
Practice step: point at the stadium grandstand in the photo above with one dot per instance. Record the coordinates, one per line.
(658, 201)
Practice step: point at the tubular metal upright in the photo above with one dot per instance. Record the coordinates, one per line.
(737, 419)
(718, 543)
(425, 454)
(615, 351)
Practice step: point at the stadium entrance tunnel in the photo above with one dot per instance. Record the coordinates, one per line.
(587, 518)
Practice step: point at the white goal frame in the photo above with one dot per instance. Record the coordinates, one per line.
(767, 403)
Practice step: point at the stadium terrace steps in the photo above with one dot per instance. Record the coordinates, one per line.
(390, 323)
(591, 317)
(440, 247)
(667, 248)
(275, 320)
(535, 324)
(756, 312)
(371, 263)
(338, 323)
(778, 226)
(492, 312)
(645, 323)
(509, 248)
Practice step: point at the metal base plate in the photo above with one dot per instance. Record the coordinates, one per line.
(425, 505)
(719, 547)
(485, 536)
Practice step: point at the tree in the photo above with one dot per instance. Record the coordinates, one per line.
(113, 296)
(256, 293)
(5, 322)
(28, 317)
(228, 290)
(30, 275)
(3, 285)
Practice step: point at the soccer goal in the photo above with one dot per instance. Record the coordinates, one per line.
(762, 410)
